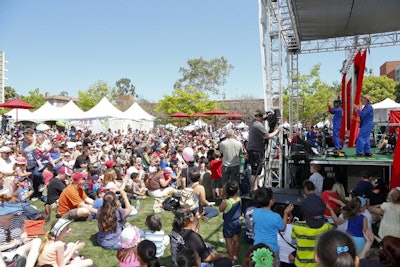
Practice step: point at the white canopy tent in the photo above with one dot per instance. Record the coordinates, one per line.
(382, 110)
(199, 123)
(72, 111)
(48, 112)
(104, 109)
(23, 114)
(141, 120)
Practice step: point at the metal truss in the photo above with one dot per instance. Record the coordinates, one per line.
(279, 37)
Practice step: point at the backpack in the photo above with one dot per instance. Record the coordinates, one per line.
(188, 199)
(249, 232)
(170, 203)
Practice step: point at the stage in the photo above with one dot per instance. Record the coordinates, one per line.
(346, 170)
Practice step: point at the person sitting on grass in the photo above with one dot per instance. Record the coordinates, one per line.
(259, 255)
(73, 203)
(111, 218)
(127, 254)
(146, 252)
(56, 253)
(156, 234)
(138, 187)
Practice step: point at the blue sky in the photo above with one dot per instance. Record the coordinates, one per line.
(69, 45)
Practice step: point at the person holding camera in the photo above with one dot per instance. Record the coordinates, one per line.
(258, 135)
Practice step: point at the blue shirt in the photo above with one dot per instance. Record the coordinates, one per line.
(267, 224)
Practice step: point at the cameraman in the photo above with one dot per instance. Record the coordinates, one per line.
(258, 135)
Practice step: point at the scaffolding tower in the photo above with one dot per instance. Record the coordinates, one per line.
(279, 39)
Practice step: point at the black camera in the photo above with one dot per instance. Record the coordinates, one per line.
(272, 119)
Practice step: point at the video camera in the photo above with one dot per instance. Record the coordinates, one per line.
(272, 118)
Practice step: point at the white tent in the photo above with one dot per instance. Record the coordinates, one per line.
(382, 109)
(199, 123)
(141, 120)
(242, 125)
(104, 109)
(23, 114)
(48, 112)
(71, 111)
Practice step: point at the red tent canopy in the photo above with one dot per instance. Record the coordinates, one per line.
(179, 115)
(215, 112)
(198, 115)
(16, 103)
(234, 115)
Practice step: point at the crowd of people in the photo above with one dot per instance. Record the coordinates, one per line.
(81, 176)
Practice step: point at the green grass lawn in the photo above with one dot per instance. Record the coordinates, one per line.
(211, 232)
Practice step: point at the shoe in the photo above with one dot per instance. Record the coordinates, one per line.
(358, 155)
(34, 199)
(41, 188)
(368, 155)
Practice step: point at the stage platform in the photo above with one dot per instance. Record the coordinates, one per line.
(346, 170)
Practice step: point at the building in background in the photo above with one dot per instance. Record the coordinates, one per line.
(59, 100)
(389, 69)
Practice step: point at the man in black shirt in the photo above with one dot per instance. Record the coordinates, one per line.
(56, 186)
(82, 161)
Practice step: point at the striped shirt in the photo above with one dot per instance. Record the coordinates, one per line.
(158, 238)
(306, 239)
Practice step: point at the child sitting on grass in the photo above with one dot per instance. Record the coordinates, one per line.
(127, 254)
(138, 187)
(156, 234)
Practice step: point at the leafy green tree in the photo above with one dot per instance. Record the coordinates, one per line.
(188, 100)
(124, 87)
(397, 93)
(9, 93)
(313, 97)
(205, 76)
(35, 98)
(92, 96)
(379, 87)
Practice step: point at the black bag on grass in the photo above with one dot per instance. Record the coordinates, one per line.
(171, 203)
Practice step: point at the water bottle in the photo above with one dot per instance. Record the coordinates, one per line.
(137, 204)
(241, 164)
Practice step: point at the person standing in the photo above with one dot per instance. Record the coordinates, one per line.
(316, 178)
(230, 149)
(363, 146)
(337, 112)
(258, 135)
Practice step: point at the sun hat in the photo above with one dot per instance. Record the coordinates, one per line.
(59, 226)
(168, 170)
(20, 160)
(129, 237)
(313, 208)
(368, 97)
(5, 149)
(79, 175)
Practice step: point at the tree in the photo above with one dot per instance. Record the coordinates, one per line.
(89, 98)
(188, 100)
(205, 76)
(379, 87)
(64, 93)
(9, 93)
(312, 98)
(124, 87)
(397, 93)
(35, 98)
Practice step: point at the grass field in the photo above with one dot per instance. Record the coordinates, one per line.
(211, 231)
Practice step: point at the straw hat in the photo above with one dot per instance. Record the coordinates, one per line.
(368, 97)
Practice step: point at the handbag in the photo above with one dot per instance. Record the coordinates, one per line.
(17, 261)
(170, 203)
(189, 199)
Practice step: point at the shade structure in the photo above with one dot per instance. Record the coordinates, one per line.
(17, 104)
(215, 112)
(179, 115)
(234, 115)
(198, 115)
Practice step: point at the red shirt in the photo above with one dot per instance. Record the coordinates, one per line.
(216, 169)
(325, 195)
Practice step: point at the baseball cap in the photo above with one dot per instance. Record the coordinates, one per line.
(65, 170)
(95, 177)
(110, 163)
(102, 189)
(313, 208)
(79, 175)
(21, 179)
